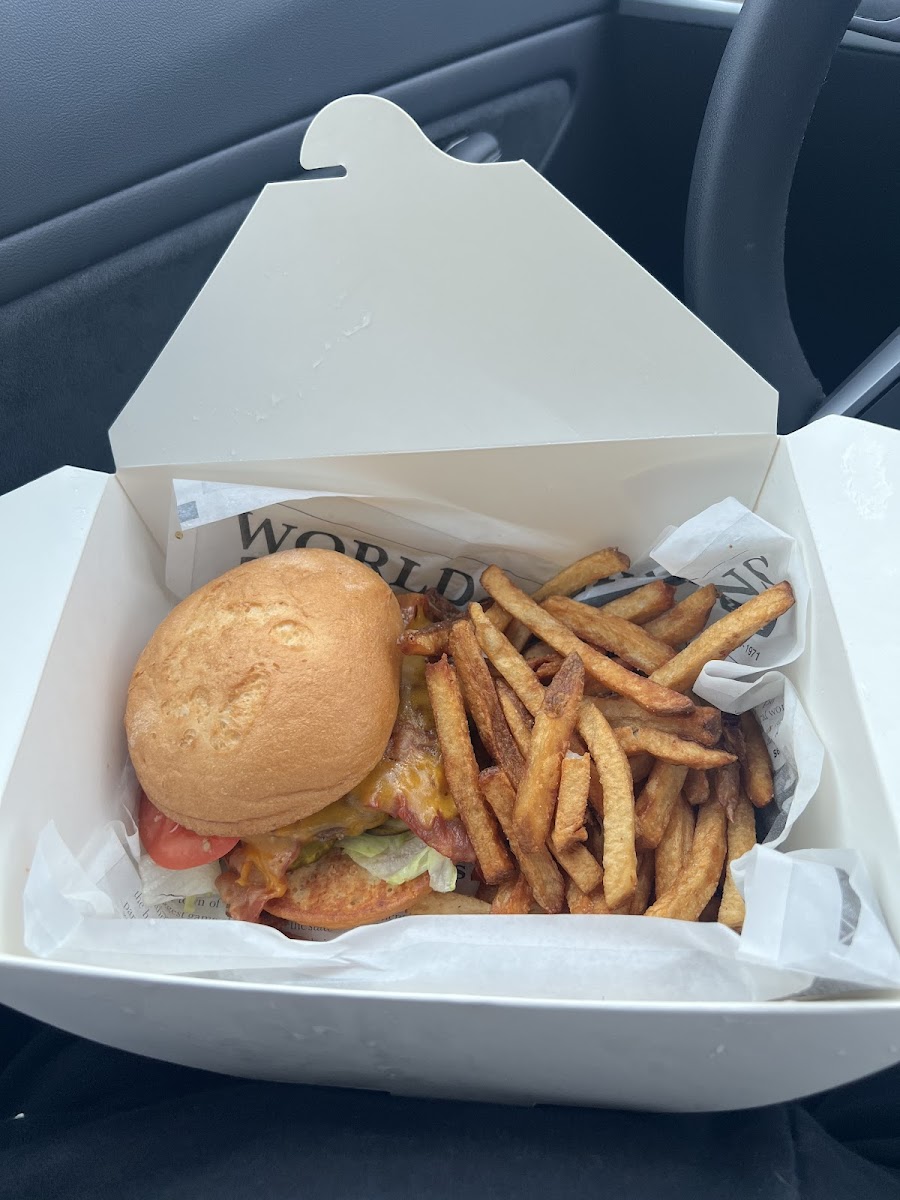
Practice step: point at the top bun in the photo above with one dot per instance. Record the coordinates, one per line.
(267, 694)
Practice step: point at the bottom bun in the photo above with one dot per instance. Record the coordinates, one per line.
(335, 893)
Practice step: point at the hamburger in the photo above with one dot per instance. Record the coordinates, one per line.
(274, 725)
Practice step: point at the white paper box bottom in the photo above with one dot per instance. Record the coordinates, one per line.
(370, 334)
(662, 1053)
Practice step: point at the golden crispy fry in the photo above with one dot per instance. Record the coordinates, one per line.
(510, 664)
(612, 674)
(578, 902)
(497, 616)
(449, 904)
(641, 765)
(643, 604)
(579, 864)
(553, 726)
(513, 898)
(656, 803)
(666, 746)
(571, 806)
(703, 725)
(545, 669)
(619, 856)
(431, 640)
(461, 771)
(600, 627)
(507, 660)
(645, 880)
(571, 579)
(757, 766)
(698, 879)
(724, 637)
(675, 848)
(577, 575)
(688, 618)
(517, 716)
(539, 868)
(741, 837)
(696, 787)
(481, 701)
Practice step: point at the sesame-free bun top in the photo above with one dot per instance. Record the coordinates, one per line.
(267, 694)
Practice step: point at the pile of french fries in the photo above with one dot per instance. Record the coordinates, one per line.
(588, 776)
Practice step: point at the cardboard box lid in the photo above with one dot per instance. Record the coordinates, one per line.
(420, 303)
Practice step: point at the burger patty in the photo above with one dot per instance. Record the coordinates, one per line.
(335, 893)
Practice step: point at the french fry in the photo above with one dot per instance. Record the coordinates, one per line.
(666, 746)
(488, 892)
(757, 766)
(686, 619)
(449, 904)
(513, 668)
(722, 638)
(600, 627)
(740, 837)
(553, 726)
(619, 855)
(571, 805)
(696, 788)
(592, 905)
(517, 716)
(698, 879)
(645, 881)
(577, 575)
(461, 771)
(611, 674)
(497, 616)
(507, 660)
(571, 579)
(431, 641)
(513, 898)
(703, 725)
(726, 787)
(481, 700)
(539, 868)
(641, 765)
(657, 802)
(675, 848)
(644, 603)
(579, 864)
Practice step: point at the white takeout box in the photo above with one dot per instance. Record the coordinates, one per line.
(428, 328)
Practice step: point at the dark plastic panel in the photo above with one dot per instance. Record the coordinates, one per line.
(101, 94)
(109, 225)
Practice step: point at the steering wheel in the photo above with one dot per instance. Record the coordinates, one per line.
(769, 78)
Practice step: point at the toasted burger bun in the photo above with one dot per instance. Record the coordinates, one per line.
(267, 694)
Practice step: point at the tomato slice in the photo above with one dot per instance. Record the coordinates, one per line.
(171, 845)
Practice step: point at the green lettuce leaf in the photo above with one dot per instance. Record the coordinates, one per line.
(399, 857)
